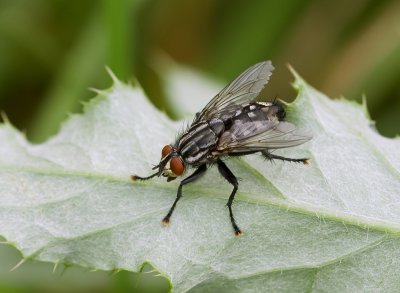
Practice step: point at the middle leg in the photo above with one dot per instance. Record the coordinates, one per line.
(228, 175)
(271, 157)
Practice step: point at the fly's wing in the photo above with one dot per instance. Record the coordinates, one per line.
(244, 89)
(261, 135)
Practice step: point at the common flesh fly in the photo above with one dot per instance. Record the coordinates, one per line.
(232, 124)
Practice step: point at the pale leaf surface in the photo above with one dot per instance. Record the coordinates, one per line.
(329, 226)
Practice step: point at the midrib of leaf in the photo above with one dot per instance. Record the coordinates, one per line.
(245, 197)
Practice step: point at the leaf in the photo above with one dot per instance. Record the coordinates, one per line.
(330, 226)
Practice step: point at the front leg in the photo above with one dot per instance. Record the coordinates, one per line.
(228, 175)
(196, 174)
(136, 177)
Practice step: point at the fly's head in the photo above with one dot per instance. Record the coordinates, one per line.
(171, 164)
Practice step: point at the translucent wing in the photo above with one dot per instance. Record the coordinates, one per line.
(271, 134)
(244, 89)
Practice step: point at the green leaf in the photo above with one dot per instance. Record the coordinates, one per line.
(330, 226)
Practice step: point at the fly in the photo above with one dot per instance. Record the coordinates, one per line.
(232, 124)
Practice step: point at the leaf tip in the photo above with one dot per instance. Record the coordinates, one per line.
(112, 75)
(18, 264)
(66, 266)
(96, 91)
(4, 117)
(297, 78)
(113, 272)
(365, 106)
(55, 266)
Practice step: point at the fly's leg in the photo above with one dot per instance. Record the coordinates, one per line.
(239, 154)
(196, 174)
(228, 175)
(135, 177)
(271, 157)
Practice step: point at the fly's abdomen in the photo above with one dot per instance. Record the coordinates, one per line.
(248, 122)
(258, 112)
(200, 140)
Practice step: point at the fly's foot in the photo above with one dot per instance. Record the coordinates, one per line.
(235, 227)
(238, 232)
(165, 221)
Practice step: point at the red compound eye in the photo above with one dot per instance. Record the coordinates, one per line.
(166, 151)
(177, 166)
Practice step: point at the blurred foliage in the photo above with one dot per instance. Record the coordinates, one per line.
(51, 51)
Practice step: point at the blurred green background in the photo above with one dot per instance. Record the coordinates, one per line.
(52, 51)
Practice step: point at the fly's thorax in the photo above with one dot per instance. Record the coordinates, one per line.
(200, 140)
